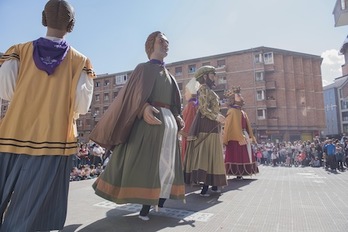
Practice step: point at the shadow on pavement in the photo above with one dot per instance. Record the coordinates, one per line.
(236, 184)
(125, 221)
(122, 221)
(71, 228)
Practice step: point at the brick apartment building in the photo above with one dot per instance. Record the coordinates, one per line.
(282, 90)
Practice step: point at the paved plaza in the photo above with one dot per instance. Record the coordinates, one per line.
(289, 199)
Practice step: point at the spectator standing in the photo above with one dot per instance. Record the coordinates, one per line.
(84, 154)
(274, 156)
(98, 153)
(265, 156)
(75, 158)
(343, 139)
(330, 155)
(346, 153)
(57, 81)
(319, 151)
(259, 155)
(339, 156)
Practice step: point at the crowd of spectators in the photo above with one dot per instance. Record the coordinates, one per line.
(89, 161)
(332, 154)
(329, 153)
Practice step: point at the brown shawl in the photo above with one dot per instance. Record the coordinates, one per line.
(115, 125)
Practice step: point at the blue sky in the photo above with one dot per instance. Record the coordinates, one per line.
(112, 33)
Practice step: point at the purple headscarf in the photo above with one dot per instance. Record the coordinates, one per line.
(49, 54)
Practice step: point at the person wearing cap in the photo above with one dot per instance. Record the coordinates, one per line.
(238, 137)
(204, 162)
(48, 84)
(189, 112)
(141, 126)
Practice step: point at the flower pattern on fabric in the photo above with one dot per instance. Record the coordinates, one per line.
(208, 102)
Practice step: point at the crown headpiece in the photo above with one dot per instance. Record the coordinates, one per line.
(232, 91)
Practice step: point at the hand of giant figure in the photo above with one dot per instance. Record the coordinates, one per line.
(149, 116)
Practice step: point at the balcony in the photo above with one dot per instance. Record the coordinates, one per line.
(261, 104)
(340, 13)
(261, 123)
(272, 121)
(271, 103)
(270, 84)
(269, 68)
(260, 84)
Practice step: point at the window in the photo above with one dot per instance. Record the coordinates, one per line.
(79, 122)
(345, 128)
(106, 82)
(259, 76)
(97, 97)
(88, 121)
(115, 94)
(260, 95)
(268, 57)
(192, 68)
(222, 80)
(261, 113)
(221, 63)
(96, 112)
(331, 106)
(178, 71)
(106, 96)
(121, 79)
(345, 116)
(258, 58)
(97, 84)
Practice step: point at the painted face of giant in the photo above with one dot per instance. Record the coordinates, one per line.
(210, 79)
(239, 100)
(161, 46)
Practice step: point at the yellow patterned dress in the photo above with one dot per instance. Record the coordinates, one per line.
(204, 161)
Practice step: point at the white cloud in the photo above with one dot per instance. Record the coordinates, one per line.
(331, 66)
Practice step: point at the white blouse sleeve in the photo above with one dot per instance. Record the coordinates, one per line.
(8, 78)
(84, 94)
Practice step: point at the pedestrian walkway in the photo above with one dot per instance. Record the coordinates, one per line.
(289, 199)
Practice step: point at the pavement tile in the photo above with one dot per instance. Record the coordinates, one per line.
(282, 199)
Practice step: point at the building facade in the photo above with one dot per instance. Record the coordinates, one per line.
(340, 13)
(336, 94)
(336, 108)
(282, 90)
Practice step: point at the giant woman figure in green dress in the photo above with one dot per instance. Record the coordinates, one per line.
(141, 127)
